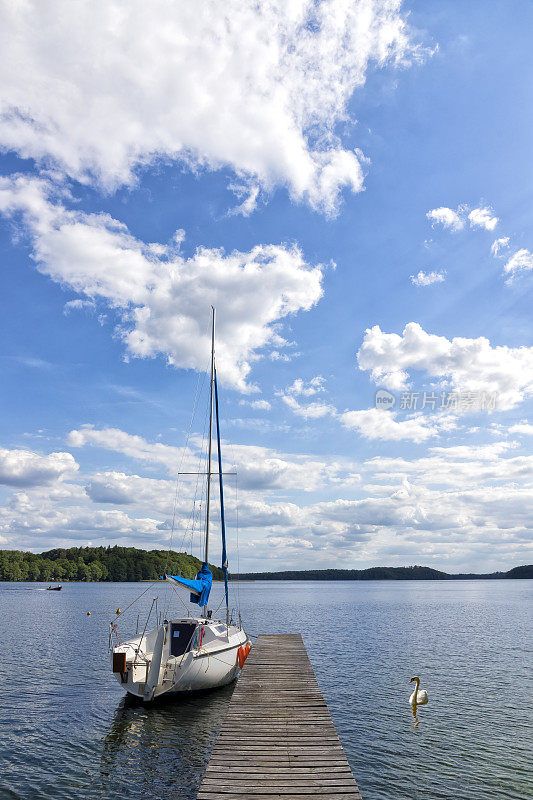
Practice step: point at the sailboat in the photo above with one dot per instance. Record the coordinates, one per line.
(186, 654)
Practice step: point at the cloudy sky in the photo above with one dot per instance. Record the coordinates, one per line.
(348, 183)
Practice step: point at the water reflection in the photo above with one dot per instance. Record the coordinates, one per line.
(415, 711)
(151, 749)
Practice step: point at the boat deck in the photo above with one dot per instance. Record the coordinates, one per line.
(278, 739)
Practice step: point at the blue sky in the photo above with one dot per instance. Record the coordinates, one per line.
(351, 190)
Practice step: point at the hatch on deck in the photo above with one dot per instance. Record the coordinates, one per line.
(181, 636)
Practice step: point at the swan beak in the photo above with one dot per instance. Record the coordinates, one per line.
(412, 679)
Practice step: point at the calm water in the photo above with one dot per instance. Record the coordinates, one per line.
(66, 730)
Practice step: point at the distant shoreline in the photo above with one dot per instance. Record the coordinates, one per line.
(116, 564)
(383, 573)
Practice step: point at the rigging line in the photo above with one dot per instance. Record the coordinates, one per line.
(221, 490)
(179, 598)
(200, 459)
(176, 491)
(237, 537)
(238, 592)
(199, 386)
(189, 527)
(145, 626)
(134, 601)
(196, 395)
(196, 512)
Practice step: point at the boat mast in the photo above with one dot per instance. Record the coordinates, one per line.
(208, 501)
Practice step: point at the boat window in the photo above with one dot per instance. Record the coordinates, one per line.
(220, 629)
(181, 635)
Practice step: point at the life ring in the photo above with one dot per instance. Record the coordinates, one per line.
(242, 654)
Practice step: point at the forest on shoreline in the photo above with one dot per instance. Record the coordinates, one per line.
(415, 573)
(114, 563)
(98, 564)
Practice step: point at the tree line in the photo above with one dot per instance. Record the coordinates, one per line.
(414, 573)
(98, 564)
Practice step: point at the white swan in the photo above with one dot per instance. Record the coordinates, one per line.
(419, 696)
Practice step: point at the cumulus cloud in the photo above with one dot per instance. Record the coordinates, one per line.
(301, 389)
(446, 217)
(259, 88)
(483, 218)
(520, 262)
(257, 405)
(160, 297)
(445, 507)
(31, 520)
(25, 468)
(470, 365)
(372, 423)
(258, 468)
(314, 410)
(130, 445)
(499, 245)
(427, 278)
(522, 428)
(77, 305)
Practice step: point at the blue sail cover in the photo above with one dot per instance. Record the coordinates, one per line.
(200, 587)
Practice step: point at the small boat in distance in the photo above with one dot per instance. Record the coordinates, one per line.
(54, 588)
(185, 654)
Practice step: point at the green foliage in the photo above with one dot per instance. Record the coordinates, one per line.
(376, 574)
(98, 564)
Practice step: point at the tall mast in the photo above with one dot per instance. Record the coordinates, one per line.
(206, 554)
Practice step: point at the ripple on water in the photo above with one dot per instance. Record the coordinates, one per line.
(68, 732)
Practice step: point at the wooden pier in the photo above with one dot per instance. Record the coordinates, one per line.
(278, 739)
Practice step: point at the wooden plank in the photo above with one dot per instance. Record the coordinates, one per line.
(278, 739)
(289, 794)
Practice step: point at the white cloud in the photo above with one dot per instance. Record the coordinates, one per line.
(372, 423)
(275, 355)
(427, 278)
(258, 87)
(33, 522)
(257, 405)
(249, 203)
(483, 218)
(301, 388)
(290, 542)
(129, 444)
(499, 245)
(521, 261)
(470, 365)
(258, 468)
(25, 468)
(523, 428)
(455, 220)
(310, 410)
(162, 298)
(466, 506)
(77, 305)
(446, 217)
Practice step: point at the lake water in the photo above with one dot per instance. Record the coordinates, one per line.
(66, 730)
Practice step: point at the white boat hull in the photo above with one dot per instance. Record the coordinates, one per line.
(151, 670)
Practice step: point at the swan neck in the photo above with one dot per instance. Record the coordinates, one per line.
(417, 685)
